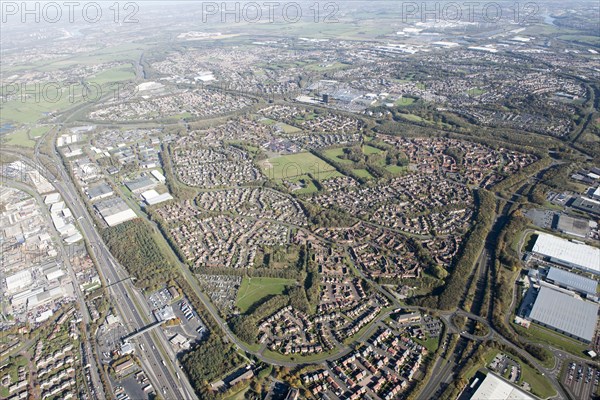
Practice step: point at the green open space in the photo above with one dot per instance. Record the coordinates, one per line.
(431, 343)
(38, 131)
(362, 173)
(307, 183)
(405, 101)
(543, 335)
(412, 117)
(396, 169)
(370, 150)
(49, 100)
(475, 91)
(591, 40)
(121, 52)
(326, 66)
(539, 384)
(287, 128)
(116, 74)
(335, 154)
(254, 289)
(295, 165)
(19, 138)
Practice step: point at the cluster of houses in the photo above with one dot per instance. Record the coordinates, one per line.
(16, 390)
(222, 240)
(214, 166)
(236, 69)
(324, 140)
(380, 369)
(242, 129)
(475, 163)
(339, 291)
(309, 121)
(56, 371)
(380, 252)
(443, 249)
(198, 103)
(290, 331)
(254, 203)
(414, 203)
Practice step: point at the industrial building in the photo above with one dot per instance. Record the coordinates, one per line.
(571, 254)
(100, 191)
(574, 282)
(587, 205)
(19, 280)
(140, 184)
(152, 197)
(158, 176)
(565, 314)
(114, 211)
(493, 387)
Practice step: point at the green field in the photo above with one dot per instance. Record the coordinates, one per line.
(116, 74)
(267, 121)
(368, 150)
(49, 99)
(295, 165)
(335, 154)
(19, 138)
(431, 344)
(38, 131)
(543, 335)
(396, 169)
(539, 385)
(591, 40)
(288, 128)
(475, 92)
(309, 185)
(255, 289)
(123, 52)
(326, 67)
(412, 117)
(404, 101)
(362, 173)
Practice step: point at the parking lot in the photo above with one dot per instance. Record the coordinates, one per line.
(191, 326)
(160, 299)
(109, 340)
(582, 380)
(136, 386)
(541, 218)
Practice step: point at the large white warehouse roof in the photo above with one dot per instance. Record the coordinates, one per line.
(496, 388)
(573, 254)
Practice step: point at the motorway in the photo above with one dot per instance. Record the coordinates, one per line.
(85, 314)
(163, 376)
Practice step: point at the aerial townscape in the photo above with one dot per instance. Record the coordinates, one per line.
(300, 200)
